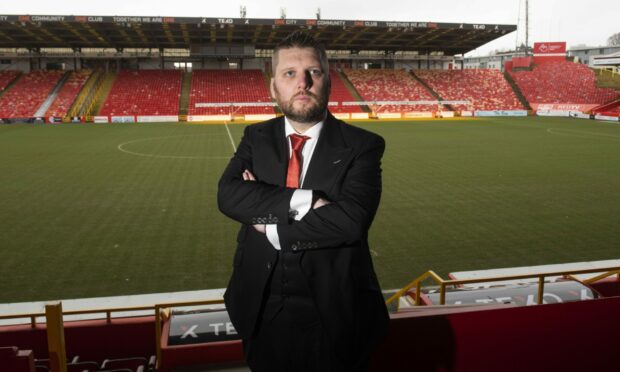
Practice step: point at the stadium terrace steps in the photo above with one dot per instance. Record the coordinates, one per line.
(341, 93)
(7, 79)
(28, 93)
(101, 93)
(52, 95)
(85, 96)
(186, 86)
(428, 88)
(68, 93)
(352, 90)
(517, 91)
(562, 82)
(486, 89)
(226, 86)
(144, 92)
(390, 85)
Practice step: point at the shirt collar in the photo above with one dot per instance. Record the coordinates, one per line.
(313, 132)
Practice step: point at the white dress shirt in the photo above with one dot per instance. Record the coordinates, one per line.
(301, 201)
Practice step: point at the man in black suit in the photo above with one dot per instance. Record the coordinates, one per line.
(303, 293)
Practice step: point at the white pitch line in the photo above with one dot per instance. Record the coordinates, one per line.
(120, 148)
(232, 142)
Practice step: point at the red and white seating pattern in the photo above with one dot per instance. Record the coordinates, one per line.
(340, 94)
(562, 82)
(68, 93)
(390, 85)
(24, 98)
(485, 89)
(144, 92)
(6, 77)
(228, 86)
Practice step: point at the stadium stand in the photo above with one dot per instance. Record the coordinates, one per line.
(486, 89)
(144, 92)
(340, 93)
(608, 109)
(68, 93)
(224, 86)
(6, 77)
(562, 82)
(26, 96)
(390, 85)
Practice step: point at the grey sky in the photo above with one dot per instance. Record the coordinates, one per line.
(576, 22)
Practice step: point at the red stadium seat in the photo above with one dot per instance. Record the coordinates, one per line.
(485, 89)
(144, 92)
(562, 82)
(24, 98)
(6, 77)
(340, 94)
(225, 86)
(137, 364)
(390, 85)
(68, 93)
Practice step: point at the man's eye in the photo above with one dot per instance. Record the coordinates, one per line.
(289, 74)
(316, 72)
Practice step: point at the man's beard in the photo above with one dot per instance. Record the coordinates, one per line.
(311, 113)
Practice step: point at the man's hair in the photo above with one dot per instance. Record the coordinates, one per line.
(300, 39)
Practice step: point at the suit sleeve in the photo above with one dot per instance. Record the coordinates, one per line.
(251, 202)
(346, 220)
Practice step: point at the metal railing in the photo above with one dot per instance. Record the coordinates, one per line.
(160, 311)
(443, 284)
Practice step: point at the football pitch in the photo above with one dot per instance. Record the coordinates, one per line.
(99, 210)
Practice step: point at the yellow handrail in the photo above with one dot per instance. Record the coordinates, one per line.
(608, 271)
(161, 309)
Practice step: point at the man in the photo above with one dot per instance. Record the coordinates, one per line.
(303, 294)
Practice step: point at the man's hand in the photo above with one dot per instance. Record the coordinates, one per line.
(248, 176)
(320, 202)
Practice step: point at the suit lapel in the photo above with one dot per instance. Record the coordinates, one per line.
(281, 149)
(271, 153)
(329, 157)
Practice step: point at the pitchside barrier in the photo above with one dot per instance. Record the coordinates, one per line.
(203, 334)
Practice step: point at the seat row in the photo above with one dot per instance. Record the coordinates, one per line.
(225, 86)
(6, 77)
(485, 89)
(390, 85)
(68, 93)
(25, 97)
(562, 82)
(144, 92)
(133, 364)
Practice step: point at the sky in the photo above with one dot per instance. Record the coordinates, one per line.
(577, 22)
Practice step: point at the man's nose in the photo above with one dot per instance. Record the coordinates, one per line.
(305, 81)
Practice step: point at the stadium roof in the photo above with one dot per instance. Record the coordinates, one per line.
(57, 31)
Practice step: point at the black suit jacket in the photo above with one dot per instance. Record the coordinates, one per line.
(331, 241)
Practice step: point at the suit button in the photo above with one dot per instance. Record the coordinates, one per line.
(268, 265)
(294, 247)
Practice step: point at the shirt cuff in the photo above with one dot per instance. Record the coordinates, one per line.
(300, 204)
(272, 235)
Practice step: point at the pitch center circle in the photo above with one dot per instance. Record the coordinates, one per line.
(123, 147)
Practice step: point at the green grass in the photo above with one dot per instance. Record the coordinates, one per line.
(81, 218)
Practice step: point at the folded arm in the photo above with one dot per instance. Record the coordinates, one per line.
(251, 202)
(346, 220)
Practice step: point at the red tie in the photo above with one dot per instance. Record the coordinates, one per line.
(294, 164)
